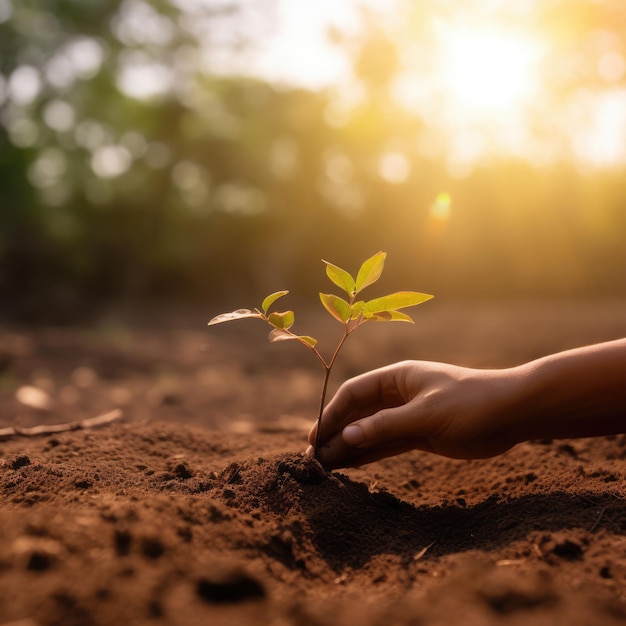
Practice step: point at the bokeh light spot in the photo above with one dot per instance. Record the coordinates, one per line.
(6, 10)
(394, 167)
(338, 167)
(92, 135)
(111, 161)
(24, 85)
(23, 132)
(59, 115)
(142, 78)
(47, 168)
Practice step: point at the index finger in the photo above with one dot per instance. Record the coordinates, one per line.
(358, 397)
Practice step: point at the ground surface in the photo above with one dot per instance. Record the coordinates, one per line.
(197, 509)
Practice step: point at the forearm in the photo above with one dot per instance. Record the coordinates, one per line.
(576, 393)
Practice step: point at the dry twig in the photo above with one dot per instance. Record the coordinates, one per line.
(52, 429)
(423, 551)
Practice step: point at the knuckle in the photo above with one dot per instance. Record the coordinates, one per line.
(381, 426)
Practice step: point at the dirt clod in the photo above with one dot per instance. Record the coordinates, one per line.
(229, 587)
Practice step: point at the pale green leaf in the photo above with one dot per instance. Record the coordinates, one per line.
(234, 315)
(390, 316)
(340, 277)
(267, 303)
(356, 309)
(282, 320)
(370, 271)
(336, 306)
(308, 340)
(395, 301)
(278, 334)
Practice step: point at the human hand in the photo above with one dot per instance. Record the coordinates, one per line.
(449, 410)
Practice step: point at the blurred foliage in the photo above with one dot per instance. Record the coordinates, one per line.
(216, 185)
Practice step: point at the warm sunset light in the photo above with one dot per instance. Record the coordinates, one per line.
(487, 70)
(487, 79)
(164, 163)
(483, 142)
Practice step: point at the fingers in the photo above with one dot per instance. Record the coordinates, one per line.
(335, 456)
(357, 398)
(333, 423)
(387, 432)
(440, 408)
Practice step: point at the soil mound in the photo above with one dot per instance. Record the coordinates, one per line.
(323, 515)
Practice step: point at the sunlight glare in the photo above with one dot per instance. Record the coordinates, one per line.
(441, 207)
(487, 70)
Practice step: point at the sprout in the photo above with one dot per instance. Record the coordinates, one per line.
(349, 311)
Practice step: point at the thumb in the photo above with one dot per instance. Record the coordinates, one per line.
(382, 428)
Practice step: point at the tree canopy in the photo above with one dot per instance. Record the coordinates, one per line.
(133, 166)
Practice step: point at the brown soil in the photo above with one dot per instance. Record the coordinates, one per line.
(199, 508)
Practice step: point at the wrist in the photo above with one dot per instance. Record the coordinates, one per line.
(576, 393)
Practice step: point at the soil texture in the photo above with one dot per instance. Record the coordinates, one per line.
(198, 506)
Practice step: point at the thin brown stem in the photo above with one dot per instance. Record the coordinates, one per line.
(313, 349)
(327, 370)
(318, 433)
(349, 328)
(320, 358)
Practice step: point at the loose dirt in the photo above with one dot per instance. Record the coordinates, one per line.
(199, 507)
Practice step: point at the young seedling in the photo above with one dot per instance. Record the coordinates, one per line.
(350, 312)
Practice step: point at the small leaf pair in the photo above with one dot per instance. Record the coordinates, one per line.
(368, 274)
(280, 321)
(385, 309)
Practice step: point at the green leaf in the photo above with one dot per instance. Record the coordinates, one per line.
(390, 316)
(307, 340)
(336, 306)
(370, 271)
(235, 315)
(267, 303)
(395, 301)
(356, 309)
(278, 334)
(340, 277)
(282, 320)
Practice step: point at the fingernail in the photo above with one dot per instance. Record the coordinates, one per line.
(309, 451)
(353, 435)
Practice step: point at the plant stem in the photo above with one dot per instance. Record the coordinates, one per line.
(350, 327)
(316, 447)
(327, 370)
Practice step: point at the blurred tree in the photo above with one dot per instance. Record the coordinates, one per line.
(130, 167)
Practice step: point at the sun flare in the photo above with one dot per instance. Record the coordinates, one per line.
(487, 70)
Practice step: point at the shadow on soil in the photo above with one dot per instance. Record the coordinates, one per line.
(347, 525)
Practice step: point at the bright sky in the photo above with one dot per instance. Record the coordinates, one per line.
(301, 53)
(294, 47)
(476, 82)
(486, 77)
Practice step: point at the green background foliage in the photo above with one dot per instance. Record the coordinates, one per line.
(221, 184)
